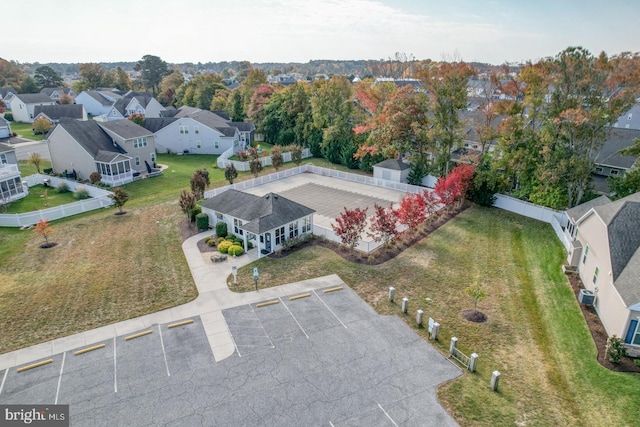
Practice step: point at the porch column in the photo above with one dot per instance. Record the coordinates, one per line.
(244, 238)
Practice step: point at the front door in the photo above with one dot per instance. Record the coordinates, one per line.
(267, 242)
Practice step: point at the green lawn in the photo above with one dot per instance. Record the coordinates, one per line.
(265, 146)
(36, 200)
(25, 130)
(535, 335)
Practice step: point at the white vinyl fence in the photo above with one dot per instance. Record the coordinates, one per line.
(99, 199)
(223, 160)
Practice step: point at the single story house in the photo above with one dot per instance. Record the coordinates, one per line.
(119, 150)
(195, 131)
(55, 93)
(266, 221)
(606, 253)
(11, 186)
(5, 128)
(23, 105)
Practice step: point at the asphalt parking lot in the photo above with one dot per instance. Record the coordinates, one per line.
(313, 359)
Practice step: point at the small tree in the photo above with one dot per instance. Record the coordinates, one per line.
(383, 224)
(95, 177)
(35, 159)
(198, 185)
(296, 154)
(349, 226)
(41, 125)
(476, 292)
(230, 173)
(221, 229)
(205, 175)
(202, 221)
(256, 167)
(412, 211)
(276, 157)
(431, 202)
(137, 119)
(615, 349)
(66, 99)
(454, 187)
(43, 229)
(119, 197)
(187, 203)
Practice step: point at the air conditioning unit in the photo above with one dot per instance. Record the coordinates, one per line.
(586, 297)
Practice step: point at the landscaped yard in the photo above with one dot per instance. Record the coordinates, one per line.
(36, 200)
(25, 130)
(535, 334)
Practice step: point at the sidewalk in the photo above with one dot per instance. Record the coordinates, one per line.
(214, 296)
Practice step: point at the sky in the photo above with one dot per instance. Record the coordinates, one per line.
(498, 31)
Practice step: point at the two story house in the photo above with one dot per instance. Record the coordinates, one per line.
(11, 186)
(23, 105)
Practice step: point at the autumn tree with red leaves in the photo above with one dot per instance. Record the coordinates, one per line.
(431, 202)
(412, 210)
(44, 229)
(383, 224)
(454, 187)
(349, 226)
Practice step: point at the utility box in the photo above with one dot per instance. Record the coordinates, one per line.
(586, 297)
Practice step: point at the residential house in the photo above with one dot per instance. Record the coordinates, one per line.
(609, 162)
(630, 119)
(135, 103)
(97, 102)
(119, 150)
(6, 93)
(195, 131)
(53, 113)
(23, 105)
(5, 128)
(55, 93)
(266, 221)
(11, 186)
(606, 253)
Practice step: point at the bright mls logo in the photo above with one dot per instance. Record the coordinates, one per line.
(34, 415)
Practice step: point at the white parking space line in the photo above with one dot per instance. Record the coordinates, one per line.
(233, 339)
(294, 317)
(164, 353)
(64, 356)
(334, 315)
(385, 412)
(331, 424)
(6, 371)
(115, 367)
(262, 326)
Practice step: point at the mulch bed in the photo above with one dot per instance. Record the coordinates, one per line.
(474, 316)
(598, 332)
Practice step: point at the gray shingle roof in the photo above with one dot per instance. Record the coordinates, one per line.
(125, 128)
(98, 96)
(3, 121)
(155, 124)
(576, 212)
(618, 139)
(262, 213)
(56, 112)
(393, 164)
(142, 97)
(90, 136)
(33, 98)
(5, 148)
(49, 90)
(243, 126)
(5, 90)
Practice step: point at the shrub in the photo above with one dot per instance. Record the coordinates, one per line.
(221, 229)
(197, 210)
(202, 221)
(615, 349)
(249, 245)
(62, 188)
(636, 361)
(231, 236)
(95, 177)
(292, 243)
(81, 193)
(224, 246)
(8, 116)
(212, 242)
(235, 250)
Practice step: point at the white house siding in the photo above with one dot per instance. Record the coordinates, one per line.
(91, 105)
(114, 114)
(24, 112)
(5, 132)
(153, 109)
(67, 154)
(169, 138)
(613, 312)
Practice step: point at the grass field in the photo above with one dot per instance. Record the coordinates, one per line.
(36, 200)
(535, 334)
(25, 130)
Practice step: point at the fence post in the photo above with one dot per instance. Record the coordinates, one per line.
(473, 362)
(419, 315)
(435, 331)
(495, 379)
(453, 346)
(392, 293)
(405, 305)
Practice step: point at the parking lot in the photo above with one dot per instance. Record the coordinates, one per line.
(317, 358)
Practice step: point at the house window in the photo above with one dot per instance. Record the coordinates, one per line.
(219, 217)
(306, 224)
(216, 145)
(153, 157)
(137, 161)
(3, 159)
(279, 235)
(595, 275)
(598, 170)
(140, 142)
(586, 252)
(184, 129)
(236, 224)
(633, 333)
(196, 130)
(198, 144)
(629, 116)
(293, 230)
(614, 172)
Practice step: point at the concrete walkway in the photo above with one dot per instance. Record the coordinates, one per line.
(214, 296)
